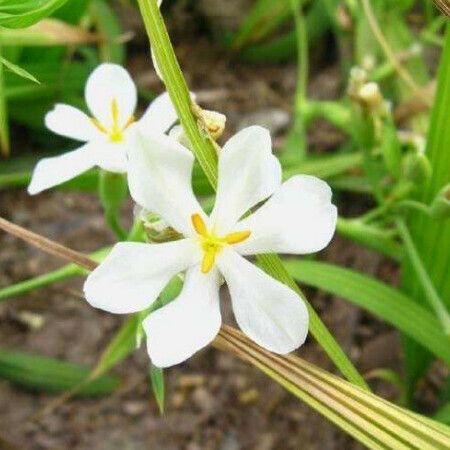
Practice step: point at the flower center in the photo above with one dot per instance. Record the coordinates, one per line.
(115, 132)
(212, 244)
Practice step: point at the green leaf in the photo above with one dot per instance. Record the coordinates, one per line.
(122, 344)
(23, 13)
(380, 299)
(18, 70)
(51, 375)
(432, 237)
(109, 26)
(443, 414)
(4, 120)
(158, 387)
(264, 17)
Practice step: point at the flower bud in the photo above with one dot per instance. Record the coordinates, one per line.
(113, 190)
(440, 207)
(370, 95)
(156, 229)
(416, 167)
(215, 123)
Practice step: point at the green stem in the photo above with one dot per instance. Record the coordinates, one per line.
(26, 286)
(204, 149)
(427, 285)
(112, 219)
(202, 145)
(296, 141)
(61, 274)
(113, 191)
(371, 237)
(301, 31)
(413, 205)
(374, 213)
(4, 125)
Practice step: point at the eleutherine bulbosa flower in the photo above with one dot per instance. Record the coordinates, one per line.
(111, 98)
(297, 218)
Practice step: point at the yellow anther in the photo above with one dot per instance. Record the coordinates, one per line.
(199, 224)
(129, 122)
(212, 244)
(237, 237)
(115, 112)
(115, 133)
(99, 126)
(208, 260)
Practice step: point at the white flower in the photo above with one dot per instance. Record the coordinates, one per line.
(298, 218)
(111, 98)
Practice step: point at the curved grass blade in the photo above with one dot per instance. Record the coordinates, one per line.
(373, 421)
(23, 13)
(51, 375)
(380, 299)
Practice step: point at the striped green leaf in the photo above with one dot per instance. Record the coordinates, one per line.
(387, 303)
(51, 375)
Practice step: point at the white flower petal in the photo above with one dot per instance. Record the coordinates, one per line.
(109, 82)
(299, 219)
(50, 172)
(156, 66)
(134, 274)
(270, 313)
(190, 322)
(159, 116)
(159, 177)
(111, 156)
(248, 174)
(68, 121)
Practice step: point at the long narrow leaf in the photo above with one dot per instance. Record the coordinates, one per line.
(47, 374)
(23, 13)
(18, 70)
(380, 299)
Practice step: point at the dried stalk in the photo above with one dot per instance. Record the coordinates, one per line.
(443, 5)
(47, 245)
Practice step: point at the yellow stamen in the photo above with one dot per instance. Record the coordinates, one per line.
(237, 237)
(115, 112)
(208, 260)
(129, 122)
(115, 133)
(99, 126)
(199, 225)
(212, 244)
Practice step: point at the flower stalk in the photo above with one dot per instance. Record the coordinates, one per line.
(112, 193)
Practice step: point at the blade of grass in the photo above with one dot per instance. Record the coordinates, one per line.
(47, 374)
(26, 12)
(377, 297)
(18, 70)
(432, 237)
(157, 382)
(4, 122)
